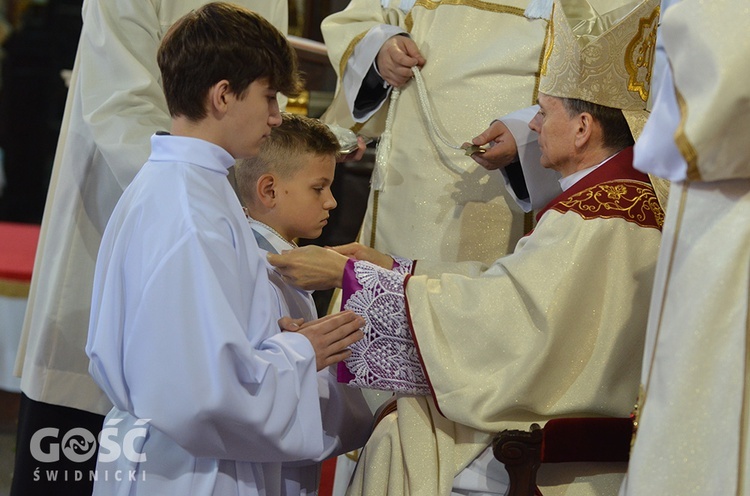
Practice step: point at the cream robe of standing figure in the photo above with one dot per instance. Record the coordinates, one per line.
(692, 436)
(429, 200)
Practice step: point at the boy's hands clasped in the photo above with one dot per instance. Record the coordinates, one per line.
(331, 335)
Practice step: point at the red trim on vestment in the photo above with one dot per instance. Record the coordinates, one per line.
(613, 190)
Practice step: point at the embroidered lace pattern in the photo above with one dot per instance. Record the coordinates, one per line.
(386, 358)
(402, 265)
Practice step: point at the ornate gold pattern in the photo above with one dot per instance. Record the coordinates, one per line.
(476, 4)
(633, 201)
(639, 56)
(549, 43)
(615, 192)
(597, 61)
(683, 143)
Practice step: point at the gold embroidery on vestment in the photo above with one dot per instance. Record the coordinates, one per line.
(639, 55)
(348, 53)
(549, 42)
(543, 56)
(635, 204)
(683, 143)
(475, 4)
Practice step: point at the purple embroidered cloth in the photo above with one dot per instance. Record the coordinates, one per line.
(386, 358)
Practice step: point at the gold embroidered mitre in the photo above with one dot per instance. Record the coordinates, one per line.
(604, 59)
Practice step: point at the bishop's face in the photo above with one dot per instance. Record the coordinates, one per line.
(557, 133)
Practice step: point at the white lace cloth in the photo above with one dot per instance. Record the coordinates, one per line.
(386, 358)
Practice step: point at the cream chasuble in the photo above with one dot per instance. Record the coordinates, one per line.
(554, 329)
(437, 203)
(693, 432)
(482, 61)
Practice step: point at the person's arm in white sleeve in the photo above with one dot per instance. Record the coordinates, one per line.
(118, 81)
(346, 416)
(541, 184)
(365, 88)
(201, 356)
(354, 38)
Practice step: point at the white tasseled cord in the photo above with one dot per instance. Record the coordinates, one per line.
(424, 105)
(432, 127)
(384, 146)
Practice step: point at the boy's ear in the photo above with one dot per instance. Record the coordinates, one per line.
(218, 96)
(265, 189)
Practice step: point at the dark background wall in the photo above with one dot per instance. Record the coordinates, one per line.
(32, 99)
(32, 91)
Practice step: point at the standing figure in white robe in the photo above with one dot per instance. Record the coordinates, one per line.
(478, 60)
(286, 190)
(692, 436)
(555, 329)
(114, 105)
(210, 398)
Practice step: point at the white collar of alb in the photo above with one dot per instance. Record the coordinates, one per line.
(272, 235)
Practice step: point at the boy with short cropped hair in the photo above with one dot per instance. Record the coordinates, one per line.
(209, 396)
(286, 190)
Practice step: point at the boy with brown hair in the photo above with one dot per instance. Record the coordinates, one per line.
(209, 396)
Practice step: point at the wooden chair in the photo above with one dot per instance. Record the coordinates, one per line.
(561, 440)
